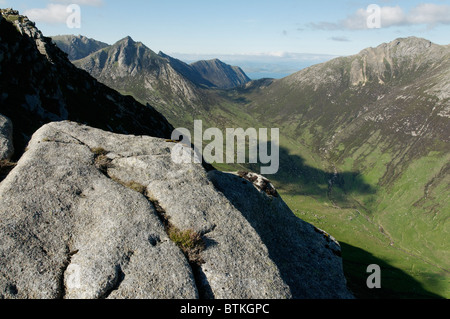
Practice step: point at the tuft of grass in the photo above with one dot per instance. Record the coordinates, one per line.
(102, 162)
(136, 187)
(189, 241)
(99, 151)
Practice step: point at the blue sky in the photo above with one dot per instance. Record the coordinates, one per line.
(236, 27)
(246, 27)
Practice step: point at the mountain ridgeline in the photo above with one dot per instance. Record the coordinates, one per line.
(165, 82)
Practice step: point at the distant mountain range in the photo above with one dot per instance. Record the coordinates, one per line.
(158, 79)
(211, 74)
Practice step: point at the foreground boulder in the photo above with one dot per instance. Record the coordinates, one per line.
(92, 214)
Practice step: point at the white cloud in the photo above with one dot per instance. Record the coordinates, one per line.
(57, 10)
(430, 14)
(53, 13)
(423, 14)
(92, 3)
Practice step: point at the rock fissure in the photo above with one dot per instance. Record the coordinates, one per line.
(192, 245)
(115, 283)
(189, 242)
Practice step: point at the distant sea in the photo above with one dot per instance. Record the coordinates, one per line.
(269, 75)
(263, 66)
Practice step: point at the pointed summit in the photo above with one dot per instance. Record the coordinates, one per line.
(127, 40)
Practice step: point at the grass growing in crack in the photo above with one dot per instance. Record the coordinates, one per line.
(190, 242)
(99, 151)
(102, 162)
(137, 187)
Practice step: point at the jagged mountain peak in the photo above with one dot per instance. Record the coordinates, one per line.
(128, 40)
(135, 48)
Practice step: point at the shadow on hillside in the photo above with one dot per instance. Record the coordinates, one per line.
(295, 177)
(395, 283)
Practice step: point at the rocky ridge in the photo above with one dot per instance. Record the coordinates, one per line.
(130, 66)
